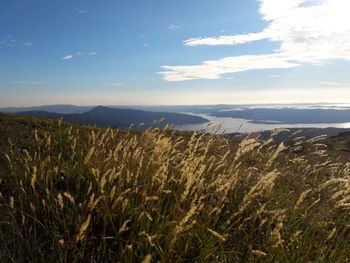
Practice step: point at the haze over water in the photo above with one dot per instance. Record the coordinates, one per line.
(231, 125)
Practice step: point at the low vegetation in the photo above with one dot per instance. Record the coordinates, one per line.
(83, 194)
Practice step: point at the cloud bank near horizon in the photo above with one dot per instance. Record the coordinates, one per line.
(309, 31)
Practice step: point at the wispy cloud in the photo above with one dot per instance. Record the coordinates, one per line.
(30, 82)
(225, 40)
(331, 83)
(213, 69)
(8, 41)
(274, 76)
(80, 11)
(308, 32)
(173, 27)
(80, 53)
(115, 84)
(67, 57)
(27, 43)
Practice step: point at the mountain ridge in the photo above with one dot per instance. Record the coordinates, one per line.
(103, 116)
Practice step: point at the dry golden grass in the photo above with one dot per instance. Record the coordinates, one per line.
(83, 194)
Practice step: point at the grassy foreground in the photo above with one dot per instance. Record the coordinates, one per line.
(81, 194)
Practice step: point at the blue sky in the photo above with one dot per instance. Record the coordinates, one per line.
(128, 52)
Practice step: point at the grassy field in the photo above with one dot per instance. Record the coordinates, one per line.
(83, 194)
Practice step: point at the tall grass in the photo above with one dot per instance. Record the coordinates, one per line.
(82, 194)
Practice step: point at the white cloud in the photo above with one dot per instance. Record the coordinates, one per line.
(173, 27)
(67, 57)
(309, 31)
(224, 40)
(116, 84)
(213, 69)
(79, 53)
(274, 76)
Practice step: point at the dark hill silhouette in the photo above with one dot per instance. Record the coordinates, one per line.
(58, 108)
(288, 115)
(104, 117)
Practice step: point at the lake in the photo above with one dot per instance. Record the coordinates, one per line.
(231, 125)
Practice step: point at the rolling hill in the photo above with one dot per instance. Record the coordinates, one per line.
(107, 117)
(287, 115)
(73, 193)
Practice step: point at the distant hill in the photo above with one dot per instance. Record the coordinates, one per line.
(288, 115)
(69, 109)
(59, 108)
(105, 117)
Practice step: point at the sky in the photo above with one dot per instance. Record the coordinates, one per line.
(183, 52)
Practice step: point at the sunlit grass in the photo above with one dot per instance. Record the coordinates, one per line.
(80, 194)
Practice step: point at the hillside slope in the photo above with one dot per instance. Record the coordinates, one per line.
(73, 193)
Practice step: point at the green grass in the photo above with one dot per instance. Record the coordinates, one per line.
(83, 194)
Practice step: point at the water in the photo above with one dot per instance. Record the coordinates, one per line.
(231, 125)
